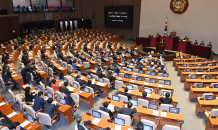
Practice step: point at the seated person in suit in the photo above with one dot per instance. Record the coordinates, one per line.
(195, 43)
(128, 111)
(110, 76)
(209, 44)
(81, 83)
(138, 66)
(109, 67)
(94, 87)
(4, 58)
(151, 68)
(140, 126)
(149, 63)
(126, 94)
(39, 102)
(99, 73)
(48, 82)
(55, 85)
(105, 104)
(49, 107)
(9, 81)
(28, 96)
(81, 125)
(162, 70)
(186, 38)
(144, 96)
(115, 68)
(167, 99)
(202, 43)
(160, 65)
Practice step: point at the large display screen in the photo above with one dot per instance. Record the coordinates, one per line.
(119, 16)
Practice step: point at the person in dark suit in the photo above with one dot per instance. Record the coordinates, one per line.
(48, 82)
(16, 126)
(167, 99)
(99, 73)
(7, 78)
(109, 67)
(110, 76)
(39, 102)
(162, 70)
(128, 111)
(105, 104)
(149, 63)
(49, 108)
(16, 46)
(28, 96)
(202, 43)
(162, 40)
(4, 58)
(24, 71)
(195, 43)
(126, 94)
(95, 88)
(81, 125)
(115, 68)
(81, 83)
(140, 126)
(151, 68)
(209, 44)
(185, 38)
(138, 66)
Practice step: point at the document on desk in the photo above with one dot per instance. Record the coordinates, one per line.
(130, 129)
(155, 112)
(12, 114)
(145, 83)
(100, 84)
(61, 83)
(82, 77)
(24, 123)
(2, 103)
(54, 102)
(93, 81)
(158, 77)
(146, 75)
(148, 95)
(79, 92)
(199, 73)
(111, 107)
(163, 114)
(129, 91)
(120, 78)
(134, 73)
(60, 68)
(70, 88)
(94, 71)
(160, 85)
(132, 81)
(14, 75)
(117, 127)
(96, 121)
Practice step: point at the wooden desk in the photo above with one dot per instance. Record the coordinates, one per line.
(205, 68)
(203, 105)
(199, 74)
(212, 124)
(186, 60)
(189, 82)
(63, 70)
(103, 124)
(195, 92)
(7, 109)
(153, 98)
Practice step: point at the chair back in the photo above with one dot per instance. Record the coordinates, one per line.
(75, 82)
(135, 70)
(148, 122)
(42, 86)
(124, 68)
(94, 76)
(69, 68)
(111, 59)
(106, 80)
(86, 64)
(126, 118)
(30, 111)
(171, 127)
(99, 61)
(135, 87)
(165, 106)
(59, 95)
(121, 75)
(71, 79)
(104, 115)
(50, 71)
(66, 78)
(133, 77)
(5, 128)
(91, 90)
(75, 97)
(50, 90)
(118, 84)
(19, 101)
(161, 82)
(123, 98)
(214, 112)
(76, 127)
(2, 82)
(143, 102)
(206, 94)
(44, 118)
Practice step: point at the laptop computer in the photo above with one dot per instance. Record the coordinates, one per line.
(30, 118)
(148, 127)
(129, 69)
(39, 89)
(207, 77)
(141, 72)
(75, 85)
(193, 76)
(62, 101)
(178, 57)
(153, 106)
(16, 108)
(152, 80)
(115, 98)
(80, 63)
(184, 65)
(194, 65)
(213, 64)
(126, 76)
(50, 95)
(174, 110)
(134, 102)
(153, 73)
(79, 72)
(187, 70)
(147, 90)
(119, 67)
(200, 70)
(63, 65)
(57, 77)
(5, 100)
(141, 61)
(209, 97)
(89, 76)
(131, 64)
(182, 61)
(87, 90)
(96, 114)
(122, 62)
(215, 86)
(139, 78)
(119, 121)
(167, 82)
(133, 59)
(165, 75)
(196, 56)
(200, 85)
(115, 73)
(105, 71)
(96, 68)
(212, 70)
(101, 80)
(130, 87)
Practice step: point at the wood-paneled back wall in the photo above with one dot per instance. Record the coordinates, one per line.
(86, 9)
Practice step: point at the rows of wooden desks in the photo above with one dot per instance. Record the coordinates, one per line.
(189, 82)
(7, 109)
(194, 69)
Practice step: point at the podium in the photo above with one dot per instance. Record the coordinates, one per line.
(160, 46)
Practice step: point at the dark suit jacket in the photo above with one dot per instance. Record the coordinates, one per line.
(81, 83)
(28, 97)
(81, 127)
(126, 94)
(6, 77)
(110, 77)
(127, 111)
(38, 103)
(49, 109)
(165, 100)
(106, 110)
(48, 83)
(93, 87)
(196, 43)
(162, 71)
(138, 67)
(99, 74)
(115, 69)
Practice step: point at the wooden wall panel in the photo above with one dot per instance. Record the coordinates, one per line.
(85, 9)
(8, 5)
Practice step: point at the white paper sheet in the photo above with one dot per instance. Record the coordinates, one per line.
(2, 103)
(132, 81)
(82, 77)
(120, 78)
(158, 77)
(11, 115)
(129, 91)
(155, 112)
(60, 68)
(163, 114)
(70, 88)
(160, 85)
(62, 82)
(148, 95)
(145, 83)
(111, 107)
(93, 81)
(14, 75)
(100, 84)
(24, 123)
(96, 121)
(54, 102)
(199, 73)
(94, 71)
(146, 75)
(117, 127)
(134, 73)
(130, 129)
